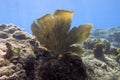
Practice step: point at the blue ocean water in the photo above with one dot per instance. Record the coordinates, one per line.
(101, 14)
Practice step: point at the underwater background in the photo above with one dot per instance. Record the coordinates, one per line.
(71, 40)
(100, 13)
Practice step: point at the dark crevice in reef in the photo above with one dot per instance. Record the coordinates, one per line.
(67, 67)
(29, 68)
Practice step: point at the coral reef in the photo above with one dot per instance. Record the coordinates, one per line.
(118, 58)
(29, 57)
(68, 67)
(105, 58)
(110, 34)
(106, 69)
(90, 43)
(100, 47)
(98, 51)
(9, 71)
(16, 53)
(22, 57)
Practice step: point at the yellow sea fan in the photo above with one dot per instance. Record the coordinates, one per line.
(53, 31)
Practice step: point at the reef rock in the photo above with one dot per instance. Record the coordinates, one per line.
(18, 51)
(105, 69)
(10, 71)
(102, 56)
(110, 34)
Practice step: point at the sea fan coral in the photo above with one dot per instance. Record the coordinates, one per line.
(53, 31)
